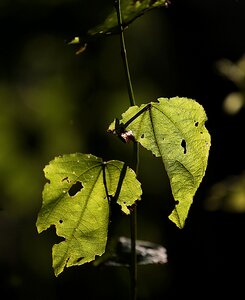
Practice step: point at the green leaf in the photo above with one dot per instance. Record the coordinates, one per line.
(131, 9)
(75, 201)
(174, 130)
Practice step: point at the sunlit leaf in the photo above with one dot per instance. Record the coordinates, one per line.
(131, 9)
(174, 130)
(75, 201)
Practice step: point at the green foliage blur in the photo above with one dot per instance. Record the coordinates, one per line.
(53, 101)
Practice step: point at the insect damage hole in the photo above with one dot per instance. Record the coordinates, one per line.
(79, 259)
(66, 179)
(75, 188)
(183, 144)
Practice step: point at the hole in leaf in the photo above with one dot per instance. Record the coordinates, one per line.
(183, 144)
(201, 132)
(142, 135)
(65, 179)
(79, 259)
(67, 260)
(60, 221)
(196, 124)
(176, 202)
(75, 188)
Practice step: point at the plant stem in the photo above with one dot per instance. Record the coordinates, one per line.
(124, 52)
(133, 230)
(133, 215)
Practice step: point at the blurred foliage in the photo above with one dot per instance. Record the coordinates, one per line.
(235, 72)
(36, 121)
(228, 195)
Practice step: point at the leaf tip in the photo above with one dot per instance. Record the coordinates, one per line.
(179, 214)
(125, 209)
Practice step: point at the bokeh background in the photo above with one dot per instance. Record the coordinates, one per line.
(54, 102)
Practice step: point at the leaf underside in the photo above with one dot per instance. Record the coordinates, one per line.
(131, 9)
(75, 201)
(174, 130)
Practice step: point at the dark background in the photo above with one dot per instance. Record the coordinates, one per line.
(53, 102)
